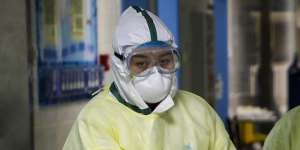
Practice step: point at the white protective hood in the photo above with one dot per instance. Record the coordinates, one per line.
(132, 30)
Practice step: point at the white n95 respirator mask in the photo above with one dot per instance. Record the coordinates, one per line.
(154, 87)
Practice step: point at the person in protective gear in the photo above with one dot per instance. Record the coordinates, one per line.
(285, 135)
(143, 109)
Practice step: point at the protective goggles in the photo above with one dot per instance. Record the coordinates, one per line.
(144, 60)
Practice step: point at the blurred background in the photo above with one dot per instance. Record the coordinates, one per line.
(240, 55)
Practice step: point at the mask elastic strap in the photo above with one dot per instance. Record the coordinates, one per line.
(121, 57)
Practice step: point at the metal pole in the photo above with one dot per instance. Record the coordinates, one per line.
(265, 73)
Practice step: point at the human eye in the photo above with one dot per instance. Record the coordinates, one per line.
(166, 60)
(141, 64)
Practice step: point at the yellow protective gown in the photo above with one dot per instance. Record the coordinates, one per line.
(107, 123)
(286, 133)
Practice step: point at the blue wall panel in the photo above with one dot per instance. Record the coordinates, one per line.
(220, 13)
(168, 12)
(142, 3)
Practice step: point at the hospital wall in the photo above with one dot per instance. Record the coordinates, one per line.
(24, 123)
(14, 100)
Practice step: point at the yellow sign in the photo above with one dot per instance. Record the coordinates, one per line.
(77, 19)
(49, 20)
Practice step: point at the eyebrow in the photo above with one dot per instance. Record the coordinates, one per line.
(140, 56)
(146, 56)
(165, 54)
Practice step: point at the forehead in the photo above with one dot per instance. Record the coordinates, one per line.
(152, 51)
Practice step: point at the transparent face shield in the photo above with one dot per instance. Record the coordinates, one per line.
(143, 61)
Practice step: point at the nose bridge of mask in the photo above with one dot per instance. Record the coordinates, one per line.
(151, 70)
(154, 69)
